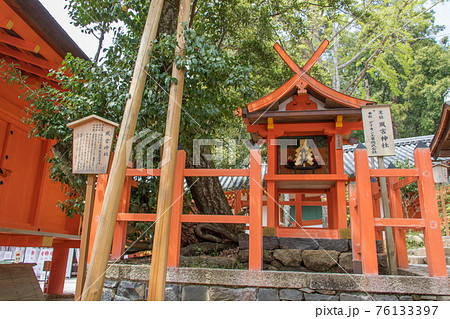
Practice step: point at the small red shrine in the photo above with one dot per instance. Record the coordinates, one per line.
(305, 124)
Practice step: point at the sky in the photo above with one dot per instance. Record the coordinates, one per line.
(88, 43)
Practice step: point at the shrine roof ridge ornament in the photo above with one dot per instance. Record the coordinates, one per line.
(91, 117)
(303, 81)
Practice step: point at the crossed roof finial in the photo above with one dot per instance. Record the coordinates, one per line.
(293, 66)
(304, 83)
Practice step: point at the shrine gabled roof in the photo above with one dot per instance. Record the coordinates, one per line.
(440, 146)
(305, 83)
(32, 40)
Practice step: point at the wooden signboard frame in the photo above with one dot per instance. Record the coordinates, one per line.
(92, 144)
(379, 138)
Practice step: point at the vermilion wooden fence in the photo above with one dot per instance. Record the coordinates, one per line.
(364, 205)
(366, 221)
(254, 219)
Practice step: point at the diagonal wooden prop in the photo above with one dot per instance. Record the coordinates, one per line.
(158, 270)
(104, 235)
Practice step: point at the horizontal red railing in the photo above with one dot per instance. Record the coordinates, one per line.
(393, 172)
(405, 182)
(226, 219)
(188, 218)
(306, 177)
(399, 222)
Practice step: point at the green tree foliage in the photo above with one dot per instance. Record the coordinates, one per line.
(230, 61)
(391, 47)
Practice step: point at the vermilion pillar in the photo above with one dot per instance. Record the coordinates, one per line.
(395, 205)
(365, 211)
(272, 198)
(173, 258)
(255, 201)
(355, 228)
(58, 271)
(428, 206)
(102, 182)
(120, 232)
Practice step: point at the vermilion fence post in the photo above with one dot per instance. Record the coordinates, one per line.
(58, 271)
(173, 259)
(255, 201)
(365, 209)
(102, 182)
(428, 206)
(355, 228)
(120, 231)
(395, 202)
(376, 205)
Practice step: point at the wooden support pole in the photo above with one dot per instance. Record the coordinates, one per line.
(434, 247)
(103, 239)
(255, 198)
(158, 268)
(365, 210)
(444, 208)
(387, 214)
(86, 231)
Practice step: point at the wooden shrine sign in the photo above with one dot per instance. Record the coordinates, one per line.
(92, 141)
(440, 173)
(378, 130)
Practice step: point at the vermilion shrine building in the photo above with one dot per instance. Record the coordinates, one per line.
(305, 124)
(29, 217)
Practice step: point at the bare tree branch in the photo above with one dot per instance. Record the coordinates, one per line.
(361, 75)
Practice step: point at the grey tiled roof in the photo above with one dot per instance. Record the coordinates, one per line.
(404, 149)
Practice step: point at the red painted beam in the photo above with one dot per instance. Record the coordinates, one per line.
(216, 172)
(6, 23)
(19, 43)
(143, 172)
(28, 58)
(399, 222)
(405, 182)
(32, 69)
(396, 172)
(226, 219)
(127, 217)
(307, 177)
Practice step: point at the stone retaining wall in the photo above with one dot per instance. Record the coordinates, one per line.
(130, 282)
(285, 254)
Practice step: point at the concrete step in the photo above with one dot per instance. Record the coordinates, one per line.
(422, 260)
(419, 270)
(422, 252)
(414, 260)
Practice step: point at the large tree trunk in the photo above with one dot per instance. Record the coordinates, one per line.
(207, 193)
(209, 199)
